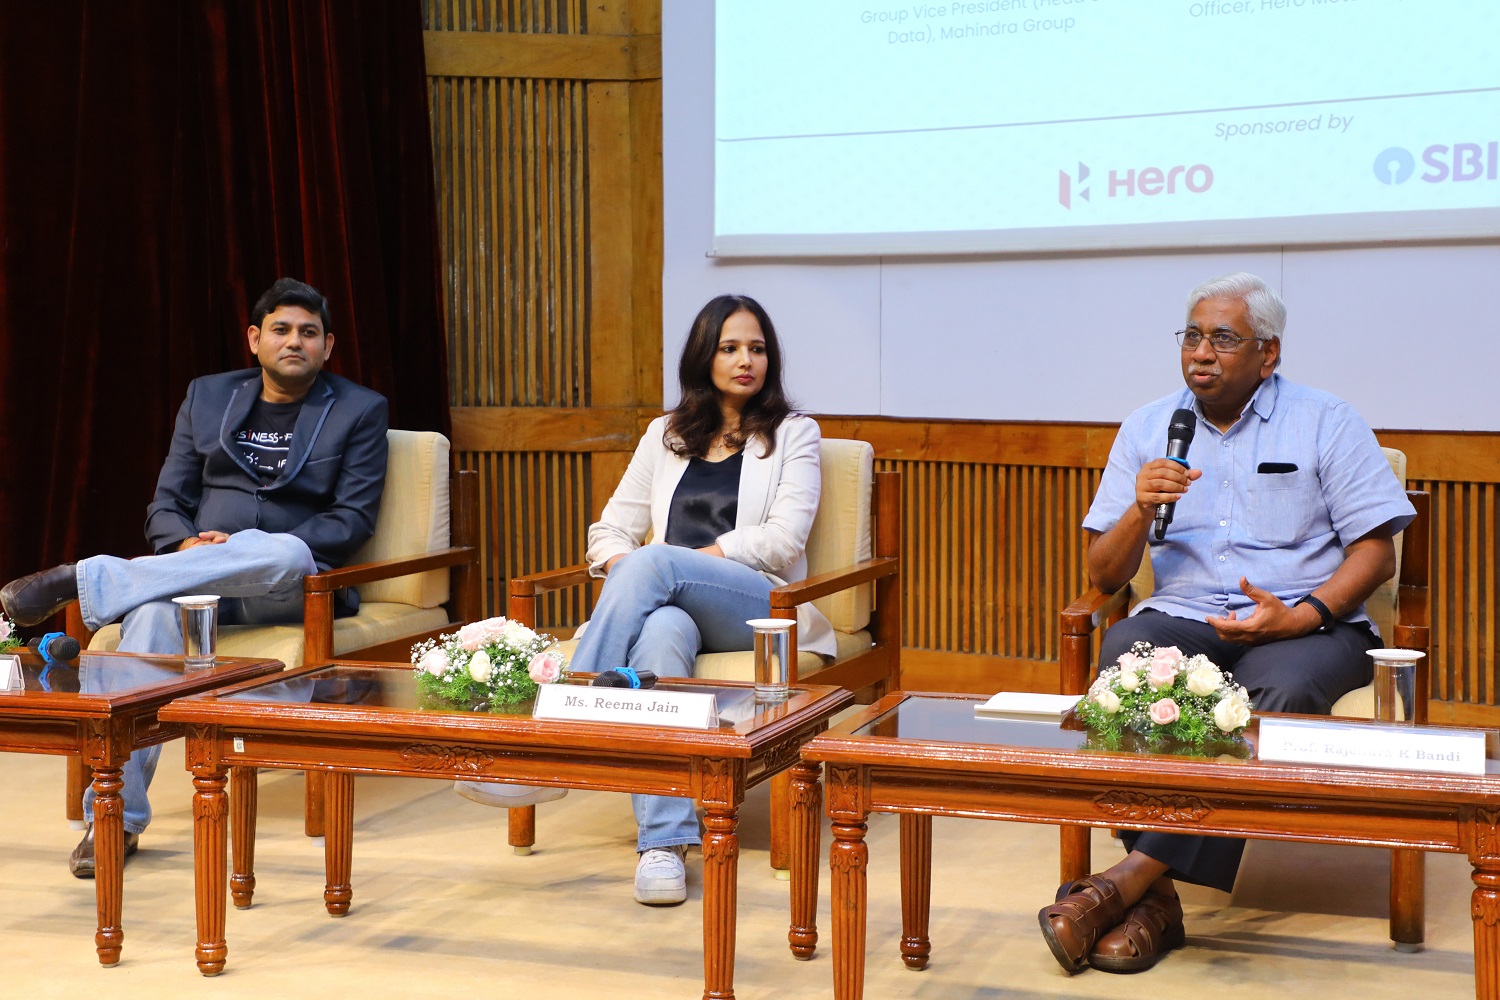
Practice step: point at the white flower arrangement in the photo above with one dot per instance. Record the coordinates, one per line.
(1162, 694)
(496, 662)
(8, 638)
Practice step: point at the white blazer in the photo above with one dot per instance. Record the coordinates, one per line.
(778, 500)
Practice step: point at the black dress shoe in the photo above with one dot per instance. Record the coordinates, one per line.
(37, 597)
(81, 861)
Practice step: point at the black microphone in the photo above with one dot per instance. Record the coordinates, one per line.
(625, 677)
(55, 646)
(1179, 436)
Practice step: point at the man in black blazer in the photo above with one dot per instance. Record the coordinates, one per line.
(274, 472)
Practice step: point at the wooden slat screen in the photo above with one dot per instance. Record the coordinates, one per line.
(993, 552)
(1465, 607)
(536, 513)
(504, 15)
(510, 163)
(532, 117)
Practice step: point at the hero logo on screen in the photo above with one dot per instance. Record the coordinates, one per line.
(1462, 161)
(1145, 181)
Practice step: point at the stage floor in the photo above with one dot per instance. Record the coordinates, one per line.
(442, 907)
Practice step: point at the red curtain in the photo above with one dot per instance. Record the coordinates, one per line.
(161, 164)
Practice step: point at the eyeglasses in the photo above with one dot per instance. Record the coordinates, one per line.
(1221, 342)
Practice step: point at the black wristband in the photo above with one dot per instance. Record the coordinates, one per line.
(1321, 609)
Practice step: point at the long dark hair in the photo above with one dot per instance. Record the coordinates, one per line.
(697, 419)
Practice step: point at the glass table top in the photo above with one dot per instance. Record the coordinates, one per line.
(114, 674)
(953, 720)
(395, 689)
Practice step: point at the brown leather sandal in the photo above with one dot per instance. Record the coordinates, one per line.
(1085, 910)
(1151, 928)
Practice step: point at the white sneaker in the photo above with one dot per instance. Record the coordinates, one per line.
(661, 877)
(494, 793)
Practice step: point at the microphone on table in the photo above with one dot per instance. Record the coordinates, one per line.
(55, 646)
(1179, 436)
(625, 677)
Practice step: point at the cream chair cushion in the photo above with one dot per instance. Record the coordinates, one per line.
(413, 518)
(842, 532)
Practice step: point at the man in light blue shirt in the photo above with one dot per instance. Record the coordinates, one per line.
(1283, 519)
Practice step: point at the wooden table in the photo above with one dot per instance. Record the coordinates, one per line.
(924, 755)
(367, 718)
(102, 707)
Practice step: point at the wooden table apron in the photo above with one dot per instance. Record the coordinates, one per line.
(104, 728)
(1423, 811)
(711, 767)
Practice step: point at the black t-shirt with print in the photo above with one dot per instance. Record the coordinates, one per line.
(266, 437)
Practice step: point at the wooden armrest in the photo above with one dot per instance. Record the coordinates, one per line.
(1085, 614)
(551, 579)
(386, 569)
(824, 584)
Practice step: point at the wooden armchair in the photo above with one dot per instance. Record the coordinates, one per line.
(842, 575)
(416, 574)
(1400, 609)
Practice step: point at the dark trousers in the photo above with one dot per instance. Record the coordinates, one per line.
(1304, 675)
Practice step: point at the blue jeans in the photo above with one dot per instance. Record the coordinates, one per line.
(661, 606)
(258, 577)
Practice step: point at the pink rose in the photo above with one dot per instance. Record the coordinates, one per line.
(1164, 664)
(1164, 712)
(472, 636)
(1132, 662)
(546, 666)
(4, 630)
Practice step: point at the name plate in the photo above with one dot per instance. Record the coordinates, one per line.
(11, 681)
(1395, 748)
(648, 707)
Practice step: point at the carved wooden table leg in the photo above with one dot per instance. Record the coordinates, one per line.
(210, 842)
(244, 790)
(338, 841)
(521, 829)
(847, 860)
(721, 865)
(916, 889)
(109, 862)
(1485, 909)
(806, 831)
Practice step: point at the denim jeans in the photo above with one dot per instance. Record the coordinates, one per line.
(660, 607)
(258, 577)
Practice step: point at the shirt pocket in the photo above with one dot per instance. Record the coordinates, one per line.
(1282, 507)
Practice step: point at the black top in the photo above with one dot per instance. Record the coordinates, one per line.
(266, 437)
(706, 502)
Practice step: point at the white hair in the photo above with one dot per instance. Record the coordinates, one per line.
(1266, 310)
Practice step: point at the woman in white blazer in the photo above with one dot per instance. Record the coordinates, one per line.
(725, 486)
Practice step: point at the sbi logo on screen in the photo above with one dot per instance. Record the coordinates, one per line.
(1463, 161)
